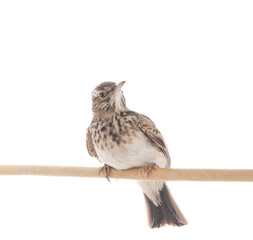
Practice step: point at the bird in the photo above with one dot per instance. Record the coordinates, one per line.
(123, 139)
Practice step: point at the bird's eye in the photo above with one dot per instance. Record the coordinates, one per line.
(102, 94)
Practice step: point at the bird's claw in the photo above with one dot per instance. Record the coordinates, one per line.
(106, 171)
(148, 169)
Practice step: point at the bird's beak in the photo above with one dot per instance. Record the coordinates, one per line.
(118, 88)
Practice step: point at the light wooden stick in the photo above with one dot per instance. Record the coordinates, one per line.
(137, 173)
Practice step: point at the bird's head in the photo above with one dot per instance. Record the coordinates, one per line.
(108, 97)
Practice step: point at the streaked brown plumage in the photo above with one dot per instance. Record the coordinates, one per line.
(123, 139)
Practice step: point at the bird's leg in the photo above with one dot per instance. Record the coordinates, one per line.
(106, 169)
(148, 169)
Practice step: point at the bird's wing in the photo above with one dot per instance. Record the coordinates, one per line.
(89, 144)
(149, 128)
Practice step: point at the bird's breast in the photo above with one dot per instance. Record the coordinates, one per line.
(121, 144)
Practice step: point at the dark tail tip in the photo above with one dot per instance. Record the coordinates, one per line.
(155, 214)
(166, 213)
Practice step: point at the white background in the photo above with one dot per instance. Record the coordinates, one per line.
(188, 66)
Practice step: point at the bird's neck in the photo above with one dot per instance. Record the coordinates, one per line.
(98, 116)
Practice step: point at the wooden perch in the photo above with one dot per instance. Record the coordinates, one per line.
(235, 175)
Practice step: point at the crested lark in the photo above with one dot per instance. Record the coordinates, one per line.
(123, 139)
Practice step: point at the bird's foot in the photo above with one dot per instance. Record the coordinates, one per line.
(106, 169)
(148, 169)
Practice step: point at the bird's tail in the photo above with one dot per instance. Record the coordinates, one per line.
(164, 210)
